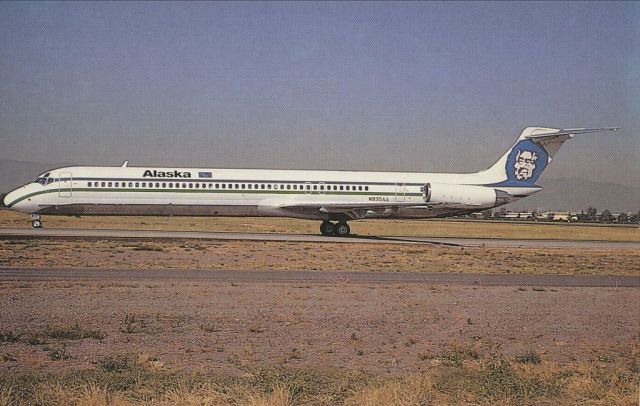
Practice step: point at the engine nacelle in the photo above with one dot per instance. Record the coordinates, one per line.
(464, 196)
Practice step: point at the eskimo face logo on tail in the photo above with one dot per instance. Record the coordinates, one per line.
(526, 162)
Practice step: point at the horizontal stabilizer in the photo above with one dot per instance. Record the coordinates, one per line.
(569, 132)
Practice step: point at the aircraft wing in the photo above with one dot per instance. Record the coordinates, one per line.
(352, 210)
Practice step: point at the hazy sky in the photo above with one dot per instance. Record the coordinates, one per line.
(369, 86)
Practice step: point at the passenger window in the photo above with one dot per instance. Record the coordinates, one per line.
(89, 184)
(341, 187)
(269, 186)
(288, 187)
(170, 185)
(117, 184)
(197, 185)
(224, 186)
(103, 184)
(359, 187)
(218, 186)
(348, 187)
(244, 186)
(321, 187)
(255, 186)
(130, 184)
(366, 188)
(137, 184)
(157, 184)
(190, 185)
(210, 185)
(164, 185)
(237, 186)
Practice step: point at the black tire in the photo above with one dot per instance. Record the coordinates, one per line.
(36, 224)
(343, 230)
(327, 228)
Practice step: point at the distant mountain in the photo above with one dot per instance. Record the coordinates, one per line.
(558, 194)
(573, 194)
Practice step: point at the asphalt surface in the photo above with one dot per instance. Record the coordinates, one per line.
(6, 233)
(97, 274)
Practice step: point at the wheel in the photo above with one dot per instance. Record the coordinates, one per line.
(36, 224)
(343, 230)
(327, 228)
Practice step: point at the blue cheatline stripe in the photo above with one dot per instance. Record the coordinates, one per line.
(240, 191)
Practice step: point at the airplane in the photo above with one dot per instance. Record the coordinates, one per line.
(333, 197)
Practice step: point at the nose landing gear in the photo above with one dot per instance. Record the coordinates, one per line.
(36, 222)
(340, 229)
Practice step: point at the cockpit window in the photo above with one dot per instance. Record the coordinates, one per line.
(42, 179)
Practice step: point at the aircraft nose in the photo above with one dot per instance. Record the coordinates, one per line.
(10, 197)
(16, 200)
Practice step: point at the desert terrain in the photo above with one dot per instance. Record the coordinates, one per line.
(153, 340)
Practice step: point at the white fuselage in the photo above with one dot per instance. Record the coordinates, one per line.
(85, 190)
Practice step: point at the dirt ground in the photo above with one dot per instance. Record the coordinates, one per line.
(266, 343)
(380, 328)
(268, 255)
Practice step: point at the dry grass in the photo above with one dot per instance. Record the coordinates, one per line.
(279, 396)
(411, 228)
(493, 381)
(410, 390)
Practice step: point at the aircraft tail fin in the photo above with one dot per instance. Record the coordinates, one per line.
(525, 161)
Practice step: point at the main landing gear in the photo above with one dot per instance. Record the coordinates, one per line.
(340, 229)
(36, 222)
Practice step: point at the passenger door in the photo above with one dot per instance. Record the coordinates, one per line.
(65, 184)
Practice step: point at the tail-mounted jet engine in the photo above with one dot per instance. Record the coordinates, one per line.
(464, 196)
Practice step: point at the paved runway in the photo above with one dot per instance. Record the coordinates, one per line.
(96, 274)
(6, 233)
(39, 274)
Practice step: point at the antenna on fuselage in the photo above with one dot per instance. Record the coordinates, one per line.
(125, 164)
